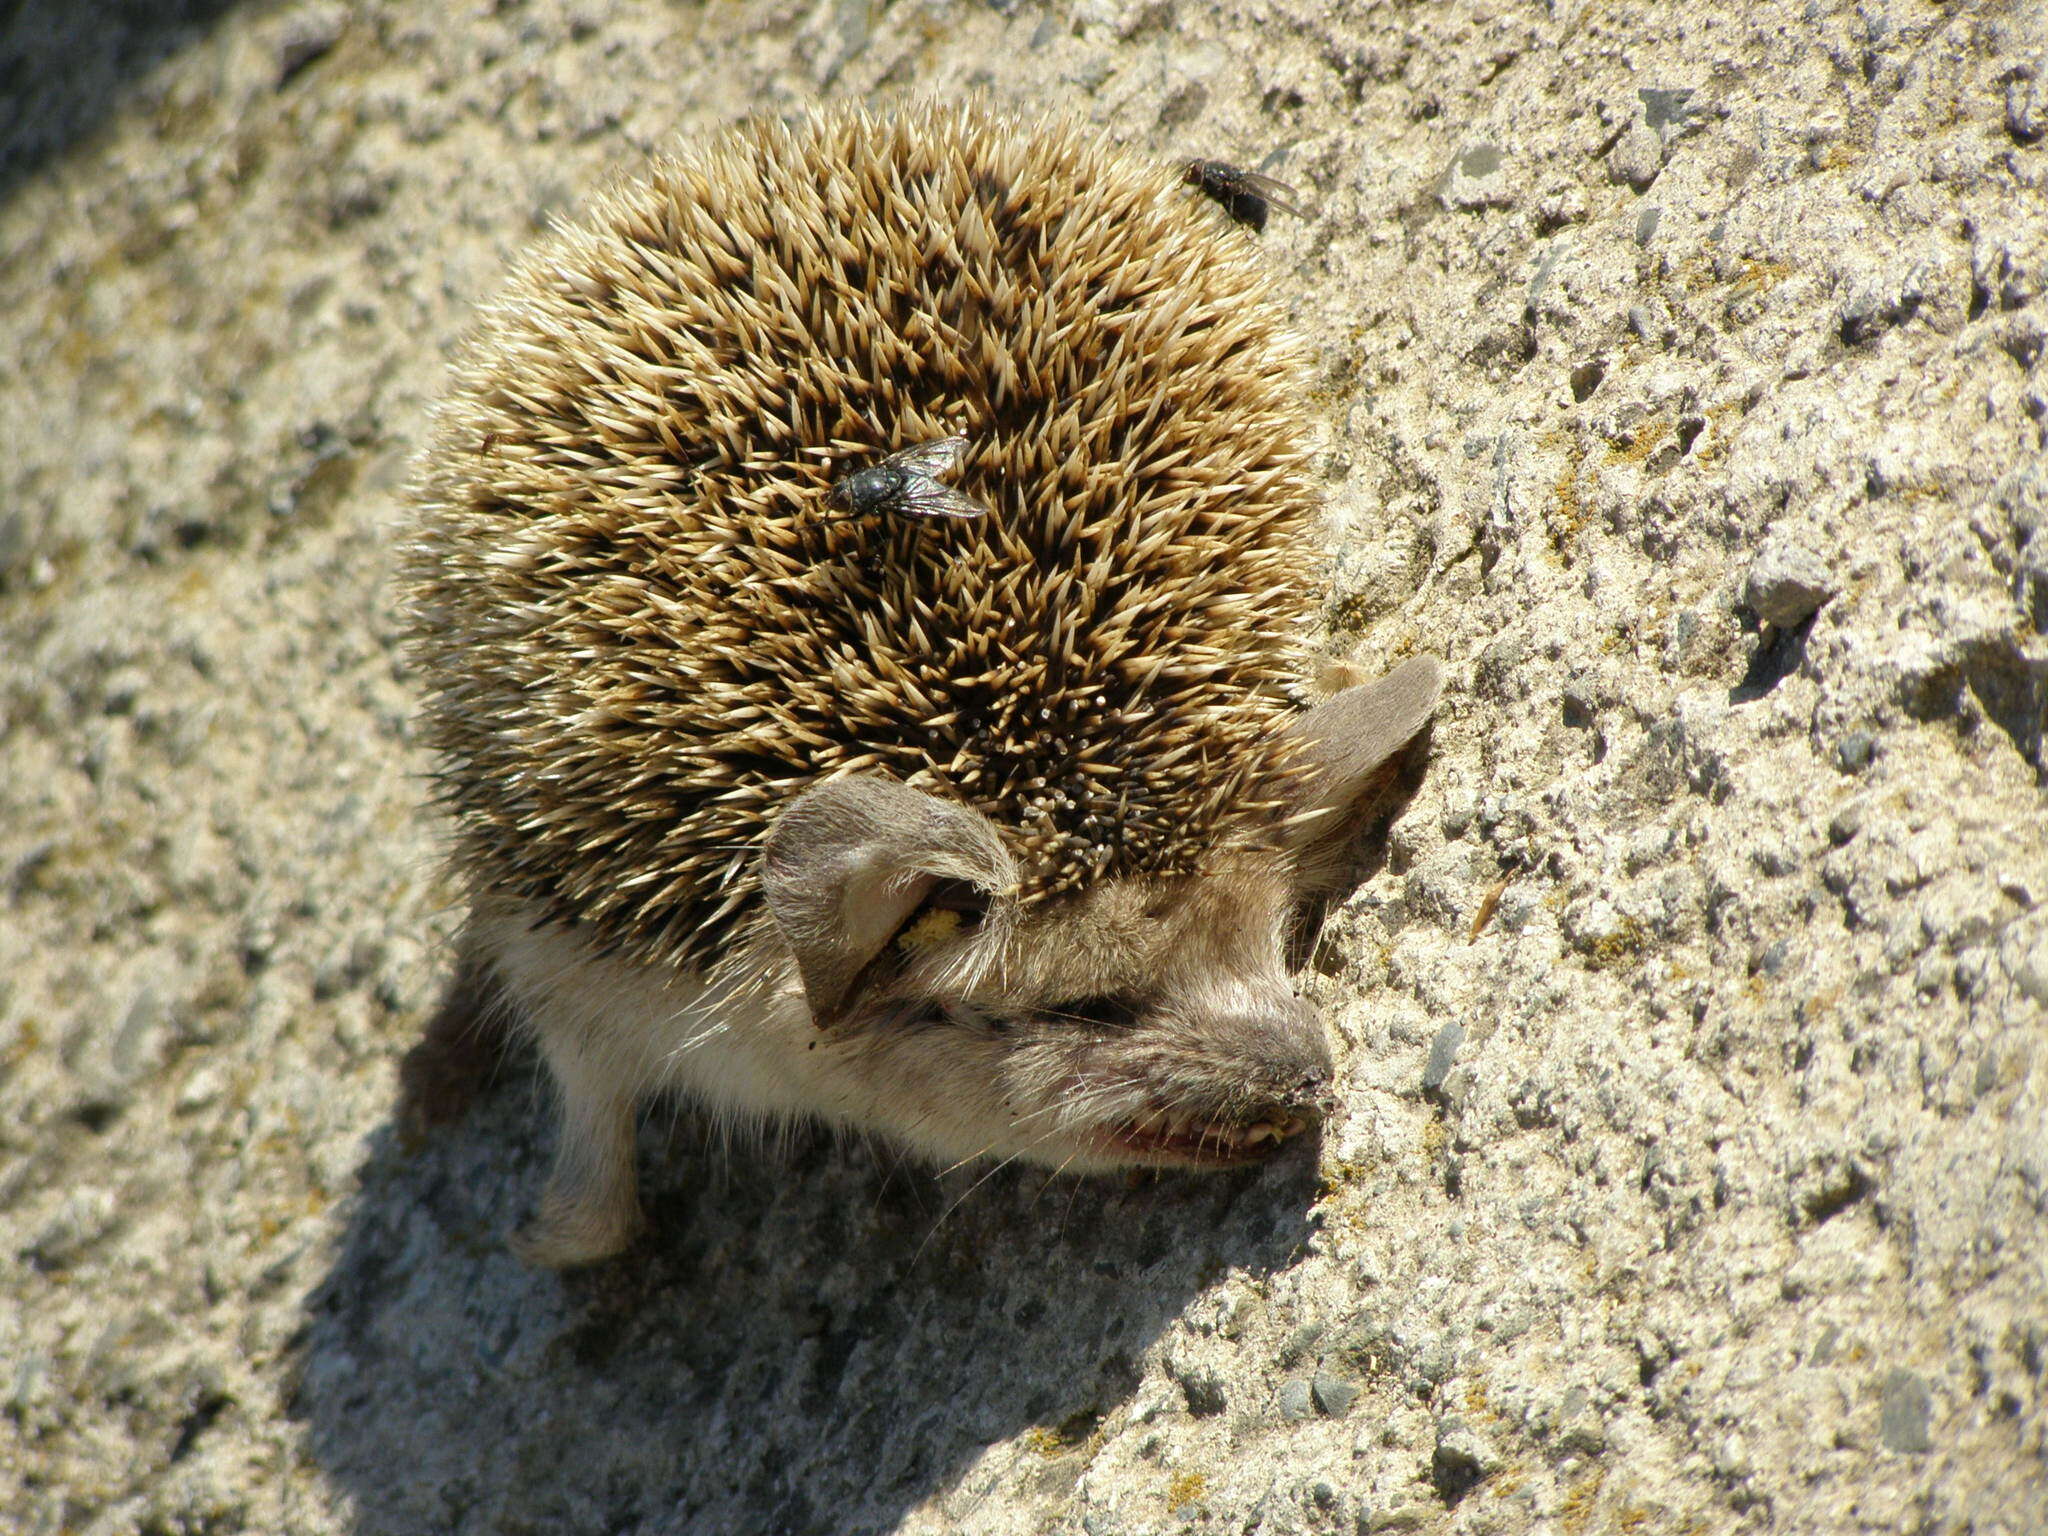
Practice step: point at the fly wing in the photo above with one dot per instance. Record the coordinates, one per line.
(1274, 192)
(923, 496)
(941, 456)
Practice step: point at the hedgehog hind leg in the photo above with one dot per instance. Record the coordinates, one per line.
(461, 1049)
(590, 1209)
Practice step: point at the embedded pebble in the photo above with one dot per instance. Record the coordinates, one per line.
(1443, 1050)
(1299, 1343)
(1731, 1457)
(2026, 107)
(1869, 312)
(2024, 954)
(1295, 1400)
(1204, 1392)
(1666, 106)
(1848, 821)
(1906, 1409)
(1334, 1393)
(1637, 157)
(1787, 584)
(1463, 1458)
(1474, 181)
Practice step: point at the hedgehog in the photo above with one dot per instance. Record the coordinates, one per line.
(982, 834)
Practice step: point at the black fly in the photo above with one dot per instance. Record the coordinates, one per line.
(907, 484)
(1244, 195)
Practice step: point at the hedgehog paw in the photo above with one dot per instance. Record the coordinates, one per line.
(563, 1236)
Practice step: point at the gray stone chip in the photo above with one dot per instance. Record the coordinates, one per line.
(1443, 1050)
(1637, 157)
(1787, 584)
(1295, 1400)
(1334, 1393)
(1905, 1410)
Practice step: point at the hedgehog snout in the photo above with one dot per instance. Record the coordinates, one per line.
(1207, 1087)
(1275, 1054)
(1291, 1056)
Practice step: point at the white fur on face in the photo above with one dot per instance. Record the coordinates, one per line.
(971, 1052)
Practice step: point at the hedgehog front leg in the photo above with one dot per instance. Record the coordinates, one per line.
(590, 1209)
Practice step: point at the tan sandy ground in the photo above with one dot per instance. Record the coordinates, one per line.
(1644, 328)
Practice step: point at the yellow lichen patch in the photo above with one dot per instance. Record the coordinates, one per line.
(1186, 1488)
(1339, 1175)
(1821, 1002)
(1575, 1509)
(1568, 513)
(1613, 948)
(1571, 515)
(1758, 274)
(1082, 1432)
(1695, 274)
(1346, 1207)
(1350, 614)
(1644, 441)
(27, 1041)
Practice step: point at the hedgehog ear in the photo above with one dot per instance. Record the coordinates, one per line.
(1352, 747)
(852, 859)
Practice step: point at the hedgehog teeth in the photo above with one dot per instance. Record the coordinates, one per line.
(1163, 1129)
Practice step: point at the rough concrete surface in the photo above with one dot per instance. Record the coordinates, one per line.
(1683, 372)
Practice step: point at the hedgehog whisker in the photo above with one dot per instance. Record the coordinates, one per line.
(987, 1148)
(947, 1214)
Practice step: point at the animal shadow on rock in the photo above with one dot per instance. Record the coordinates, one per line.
(70, 68)
(810, 1337)
(1780, 652)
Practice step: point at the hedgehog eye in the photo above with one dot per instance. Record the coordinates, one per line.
(970, 901)
(953, 908)
(1108, 1011)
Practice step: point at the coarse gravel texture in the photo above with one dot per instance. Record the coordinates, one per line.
(1683, 371)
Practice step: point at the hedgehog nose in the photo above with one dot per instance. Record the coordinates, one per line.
(1301, 1068)
(1315, 1093)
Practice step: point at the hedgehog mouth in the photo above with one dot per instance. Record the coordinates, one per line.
(1182, 1138)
